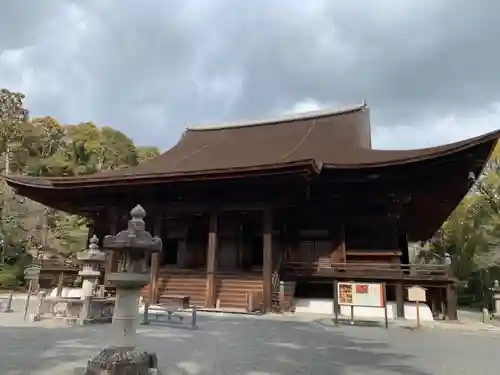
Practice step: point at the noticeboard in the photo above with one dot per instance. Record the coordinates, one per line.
(360, 294)
(416, 294)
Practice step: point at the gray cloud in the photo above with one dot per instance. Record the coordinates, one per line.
(150, 68)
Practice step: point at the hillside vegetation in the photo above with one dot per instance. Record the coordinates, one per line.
(44, 147)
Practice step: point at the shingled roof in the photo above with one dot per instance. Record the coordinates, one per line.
(317, 140)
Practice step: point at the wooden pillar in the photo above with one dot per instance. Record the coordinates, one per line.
(91, 231)
(241, 248)
(211, 261)
(403, 247)
(342, 242)
(337, 235)
(434, 301)
(400, 300)
(181, 252)
(60, 281)
(111, 265)
(267, 269)
(155, 262)
(451, 302)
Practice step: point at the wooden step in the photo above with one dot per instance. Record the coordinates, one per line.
(248, 287)
(192, 284)
(232, 289)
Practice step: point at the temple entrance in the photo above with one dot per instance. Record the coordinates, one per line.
(170, 251)
(197, 242)
(257, 251)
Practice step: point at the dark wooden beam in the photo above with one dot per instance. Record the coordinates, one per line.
(212, 260)
(155, 260)
(400, 302)
(267, 268)
(180, 208)
(451, 302)
(111, 266)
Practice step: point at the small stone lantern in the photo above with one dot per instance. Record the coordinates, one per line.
(91, 259)
(135, 246)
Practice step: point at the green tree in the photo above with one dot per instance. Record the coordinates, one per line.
(146, 153)
(117, 150)
(12, 231)
(44, 147)
(12, 116)
(472, 232)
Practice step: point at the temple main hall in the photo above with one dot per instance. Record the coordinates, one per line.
(298, 202)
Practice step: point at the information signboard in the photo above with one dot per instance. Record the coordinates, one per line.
(360, 294)
(416, 294)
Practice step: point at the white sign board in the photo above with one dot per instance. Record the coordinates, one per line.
(416, 294)
(360, 294)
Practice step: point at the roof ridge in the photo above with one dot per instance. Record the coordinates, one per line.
(284, 118)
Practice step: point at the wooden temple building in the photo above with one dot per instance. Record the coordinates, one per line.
(301, 199)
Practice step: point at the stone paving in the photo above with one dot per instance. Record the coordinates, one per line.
(274, 345)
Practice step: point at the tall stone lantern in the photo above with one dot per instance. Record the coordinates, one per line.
(135, 246)
(90, 259)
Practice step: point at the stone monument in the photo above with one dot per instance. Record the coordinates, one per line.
(90, 259)
(135, 246)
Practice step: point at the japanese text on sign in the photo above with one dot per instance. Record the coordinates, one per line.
(361, 294)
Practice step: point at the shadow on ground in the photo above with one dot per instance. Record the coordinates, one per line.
(222, 345)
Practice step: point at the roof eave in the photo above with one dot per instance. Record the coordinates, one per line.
(460, 146)
(309, 166)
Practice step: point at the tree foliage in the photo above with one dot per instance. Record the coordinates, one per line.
(472, 233)
(44, 147)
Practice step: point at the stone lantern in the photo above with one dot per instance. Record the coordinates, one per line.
(90, 259)
(135, 246)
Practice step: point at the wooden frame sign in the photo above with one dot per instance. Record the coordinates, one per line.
(360, 294)
(417, 294)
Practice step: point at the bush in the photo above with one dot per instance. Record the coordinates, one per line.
(10, 275)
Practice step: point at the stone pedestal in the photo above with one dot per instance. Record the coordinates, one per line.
(87, 286)
(123, 361)
(126, 314)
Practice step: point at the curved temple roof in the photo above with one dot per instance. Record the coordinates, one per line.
(317, 140)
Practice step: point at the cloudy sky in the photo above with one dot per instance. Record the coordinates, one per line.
(428, 69)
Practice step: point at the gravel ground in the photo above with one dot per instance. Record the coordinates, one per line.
(274, 345)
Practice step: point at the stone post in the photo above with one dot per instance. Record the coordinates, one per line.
(90, 260)
(495, 291)
(39, 309)
(8, 306)
(134, 245)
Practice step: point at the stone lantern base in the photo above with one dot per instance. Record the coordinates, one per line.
(123, 361)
